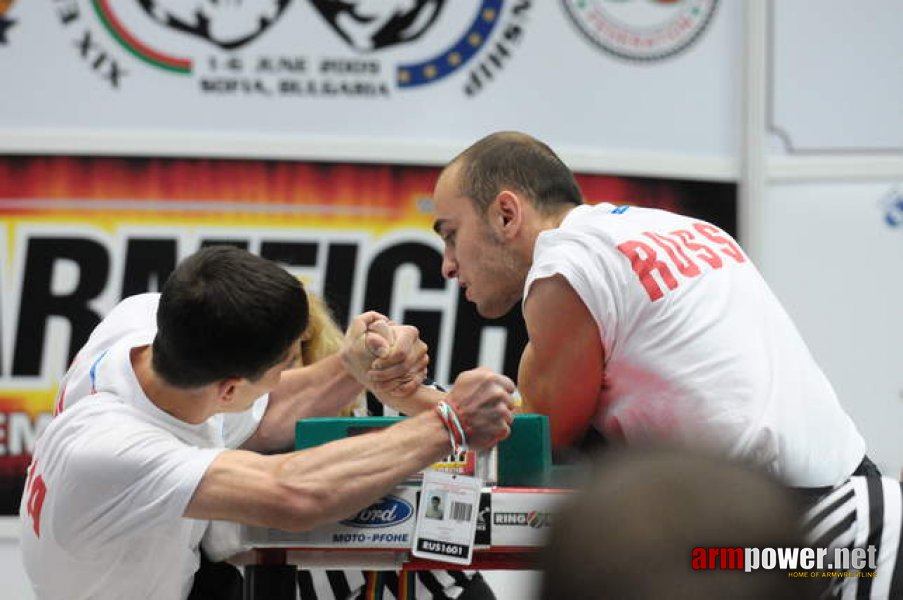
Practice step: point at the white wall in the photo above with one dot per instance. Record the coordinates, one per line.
(833, 153)
(15, 584)
(835, 263)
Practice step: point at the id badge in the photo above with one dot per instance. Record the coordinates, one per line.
(447, 517)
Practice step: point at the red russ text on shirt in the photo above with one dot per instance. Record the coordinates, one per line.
(35, 491)
(679, 251)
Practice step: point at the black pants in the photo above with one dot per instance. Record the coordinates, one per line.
(216, 581)
(223, 581)
(478, 589)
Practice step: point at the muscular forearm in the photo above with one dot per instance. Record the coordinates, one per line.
(303, 489)
(318, 390)
(379, 463)
(423, 398)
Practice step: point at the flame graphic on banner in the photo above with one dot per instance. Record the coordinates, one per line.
(5, 23)
(350, 227)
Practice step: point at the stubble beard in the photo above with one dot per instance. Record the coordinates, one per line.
(506, 268)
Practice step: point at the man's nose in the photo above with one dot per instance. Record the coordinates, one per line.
(449, 267)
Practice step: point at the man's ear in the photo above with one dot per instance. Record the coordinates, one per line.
(510, 213)
(226, 389)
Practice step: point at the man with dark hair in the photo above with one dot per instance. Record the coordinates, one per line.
(195, 345)
(126, 478)
(434, 509)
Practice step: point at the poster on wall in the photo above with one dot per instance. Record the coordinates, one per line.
(334, 76)
(79, 234)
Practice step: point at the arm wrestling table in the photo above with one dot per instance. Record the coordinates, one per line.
(515, 511)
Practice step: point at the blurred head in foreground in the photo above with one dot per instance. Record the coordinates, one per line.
(634, 530)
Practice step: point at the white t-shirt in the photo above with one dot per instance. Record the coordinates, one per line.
(111, 477)
(697, 348)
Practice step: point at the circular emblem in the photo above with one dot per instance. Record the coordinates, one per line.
(641, 29)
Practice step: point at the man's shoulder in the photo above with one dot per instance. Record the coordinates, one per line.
(133, 315)
(134, 312)
(96, 429)
(99, 412)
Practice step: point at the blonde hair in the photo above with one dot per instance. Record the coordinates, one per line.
(323, 338)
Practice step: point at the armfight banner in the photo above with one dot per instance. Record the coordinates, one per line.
(79, 234)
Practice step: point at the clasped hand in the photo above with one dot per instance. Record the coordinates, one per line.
(386, 358)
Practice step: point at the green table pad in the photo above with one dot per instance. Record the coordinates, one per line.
(524, 458)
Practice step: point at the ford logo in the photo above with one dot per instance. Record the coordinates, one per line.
(389, 511)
